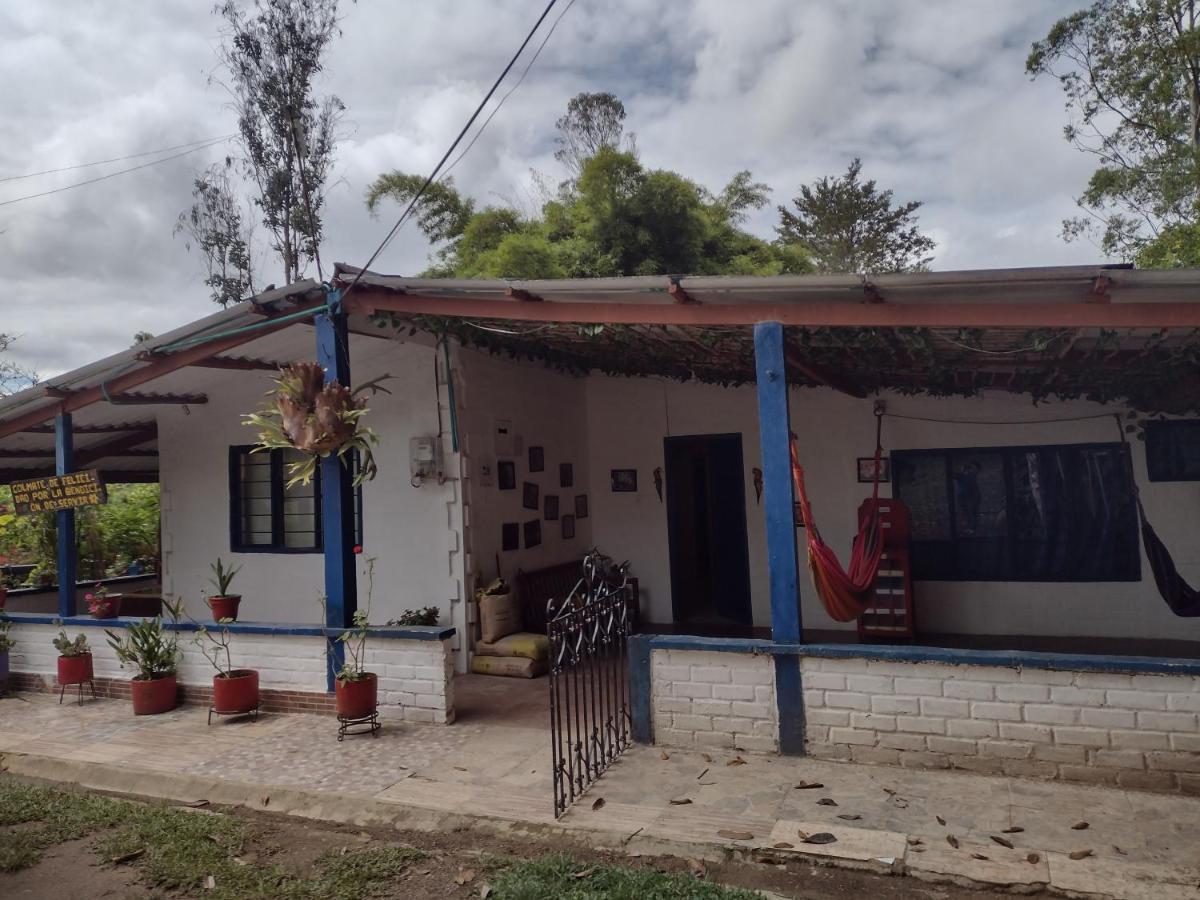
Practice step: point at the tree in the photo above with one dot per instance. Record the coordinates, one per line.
(593, 121)
(215, 226)
(14, 377)
(852, 226)
(1130, 70)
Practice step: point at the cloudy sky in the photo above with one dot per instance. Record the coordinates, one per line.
(930, 93)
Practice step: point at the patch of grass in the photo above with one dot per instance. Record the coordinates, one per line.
(562, 878)
(361, 873)
(35, 818)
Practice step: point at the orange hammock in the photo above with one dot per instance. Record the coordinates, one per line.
(845, 594)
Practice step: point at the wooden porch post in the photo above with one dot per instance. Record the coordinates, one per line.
(775, 429)
(64, 464)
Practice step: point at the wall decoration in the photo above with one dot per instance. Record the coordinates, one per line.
(758, 485)
(550, 506)
(581, 506)
(506, 475)
(658, 483)
(537, 459)
(866, 469)
(566, 475)
(568, 528)
(533, 533)
(529, 496)
(487, 472)
(503, 438)
(624, 481)
(510, 536)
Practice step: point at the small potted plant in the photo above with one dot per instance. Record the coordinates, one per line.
(6, 644)
(235, 691)
(223, 604)
(3, 591)
(74, 659)
(357, 690)
(101, 604)
(154, 652)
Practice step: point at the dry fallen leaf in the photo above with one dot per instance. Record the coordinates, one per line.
(209, 882)
(1034, 858)
(806, 786)
(1119, 850)
(978, 856)
(940, 820)
(1016, 829)
(919, 849)
(485, 891)
(196, 804)
(1079, 826)
(460, 769)
(126, 857)
(599, 803)
(736, 761)
(736, 835)
(706, 757)
(821, 837)
(913, 841)
(826, 801)
(850, 817)
(783, 845)
(680, 801)
(664, 755)
(952, 841)
(697, 868)
(465, 876)
(266, 800)
(1003, 842)
(586, 873)
(1079, 854)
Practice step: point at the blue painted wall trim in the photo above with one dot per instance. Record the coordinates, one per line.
(789, 700)
(639, 688)
(64, 464)
(337, 490)
(406, 633)
(775, 428)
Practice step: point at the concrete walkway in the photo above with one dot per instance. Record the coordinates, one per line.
(481, 773)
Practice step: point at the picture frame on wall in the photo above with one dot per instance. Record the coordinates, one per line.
(533, 533)
(581, 506)
(550, 507)
(568, 527)
(506, 475)
(537, 459)
(866, 470)
(624, 481)
(510, 536)
(529, 496)
(566, 475)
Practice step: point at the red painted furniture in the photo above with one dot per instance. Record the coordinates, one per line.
(890, 613)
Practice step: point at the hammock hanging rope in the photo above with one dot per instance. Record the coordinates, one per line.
(845, 594)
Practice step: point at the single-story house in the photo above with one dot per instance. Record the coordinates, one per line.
(1021, 414)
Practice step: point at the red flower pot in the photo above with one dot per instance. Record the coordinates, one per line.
(75, 669)
(105, 607)
(357, 699)
(236, 692)
(3, 596)
(224, 607)
(154, 695)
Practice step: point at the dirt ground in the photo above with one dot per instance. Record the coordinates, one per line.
(456, 867)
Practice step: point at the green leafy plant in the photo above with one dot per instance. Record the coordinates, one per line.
(71, 648)
(149, 646)
(222, 577)
(427, 615)
(355, 639)
(7, 642)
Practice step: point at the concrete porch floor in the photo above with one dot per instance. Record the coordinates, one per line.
(491, 771)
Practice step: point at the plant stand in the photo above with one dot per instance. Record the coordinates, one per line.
(79, 684)
(361, 725)
(252, 713)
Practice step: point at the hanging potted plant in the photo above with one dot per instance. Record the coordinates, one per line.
(74, 659)
(235, 691)
(223, 604)
(305, 413)
(101, 604)
(154, 652)
(6, 644)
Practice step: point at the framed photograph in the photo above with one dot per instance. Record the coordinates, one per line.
(624, 481)
(568, 527)
(506, 475)
(566, 475)
(581, 506)
(529, 496)
(866, 469)
(550, 507)
(510, 536)
(537, 459)
(533, 533)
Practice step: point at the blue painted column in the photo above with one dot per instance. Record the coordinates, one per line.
(774, 425)
(64, 464)
(337, 497)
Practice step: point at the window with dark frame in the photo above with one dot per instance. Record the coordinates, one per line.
(1062, 512)
(1173, 450)
(267, 516)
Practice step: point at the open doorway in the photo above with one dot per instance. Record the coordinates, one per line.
(706, 528)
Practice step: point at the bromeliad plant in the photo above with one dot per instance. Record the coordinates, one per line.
(305, 413)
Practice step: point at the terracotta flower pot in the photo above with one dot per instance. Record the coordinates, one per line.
(3, 596)
(357, 699)
(154, 695)
(236, 692)
(106, 607)
(75, 669)
(3, 672)
(224, 607)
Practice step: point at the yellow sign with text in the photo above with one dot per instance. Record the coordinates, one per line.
(37, 495)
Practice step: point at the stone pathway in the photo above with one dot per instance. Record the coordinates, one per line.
(706, 805)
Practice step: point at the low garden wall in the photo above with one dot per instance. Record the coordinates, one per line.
(1129, 722)
(414, 665)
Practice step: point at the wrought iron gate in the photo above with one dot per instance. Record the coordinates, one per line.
(589, 686)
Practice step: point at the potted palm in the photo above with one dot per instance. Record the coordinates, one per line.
(6, 644)
(223, 604)
(74, 659)
(154, 652)
(235, 691)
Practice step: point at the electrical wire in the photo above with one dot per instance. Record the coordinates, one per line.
(1032, 349)
(79, 184)
(436, 169)
(893, 415)
(101, 162)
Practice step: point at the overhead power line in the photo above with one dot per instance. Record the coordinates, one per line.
(436, 169)
(79, 184)
(101, 162)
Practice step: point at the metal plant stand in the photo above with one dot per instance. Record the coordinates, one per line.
(213, 711)
(365, 724)
(63, 690)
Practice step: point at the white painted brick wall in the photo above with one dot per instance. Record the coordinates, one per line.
(1140, 731)
(709, 699)
(416, 678)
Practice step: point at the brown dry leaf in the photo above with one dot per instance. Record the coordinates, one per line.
(697, 868)
(783, 845)
(736, 835)
(826, 801)
(940, 820)
(1016, 829)
(126, 857)
(465, 876)
(706, 757)
(889, 791)
(978, 856)
(806, 786)
(803, 834)
(919, 849)
(1079, 854)
(1034, 858)
(599, 803)
(952, 841)
(196, 804)
(586, 873)
(1119, 850)
(460, 769)
(266, 800)
(821, 837)
(850, 817)
(680, 801)
(1079, 826)
(1003, 842)
(210, 883)
(737, 761)
(664, 755)
(913, 841)
(485, 891)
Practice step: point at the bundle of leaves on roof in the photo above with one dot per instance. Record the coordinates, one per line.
(307, 414)
(427, 615)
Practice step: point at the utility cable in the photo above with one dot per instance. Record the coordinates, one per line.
(893, 415)
(101, 162)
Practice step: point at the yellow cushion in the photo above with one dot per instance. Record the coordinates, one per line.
(511, 666)
(525, 644)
